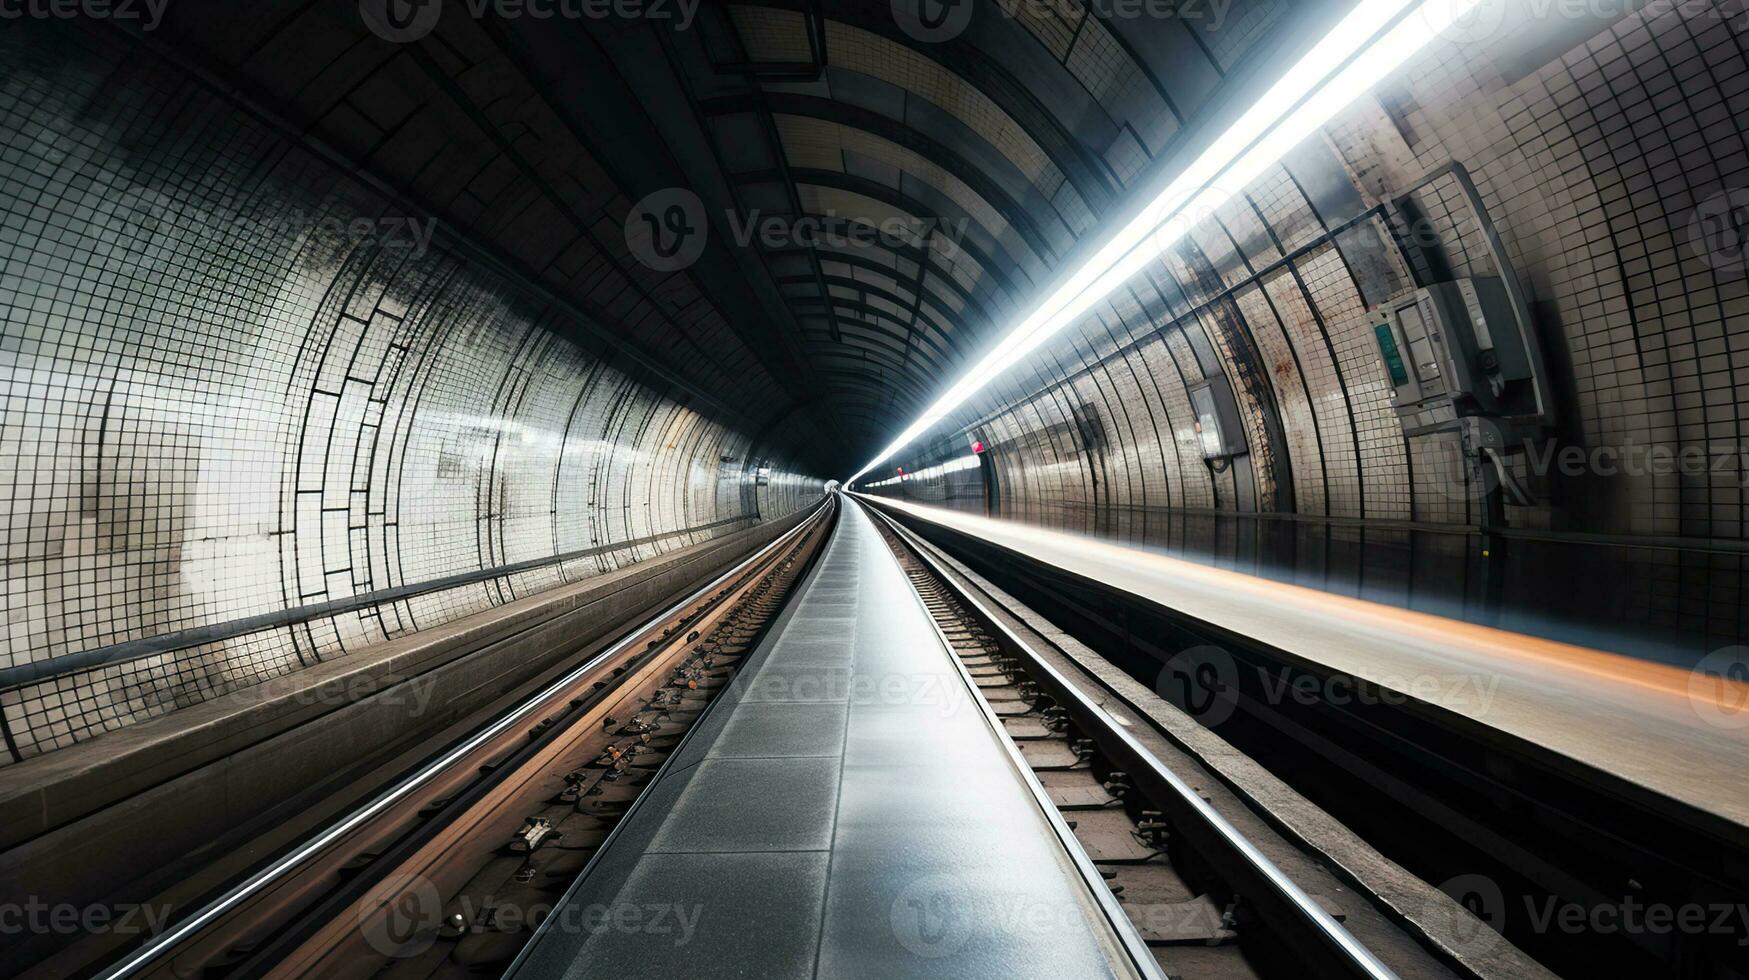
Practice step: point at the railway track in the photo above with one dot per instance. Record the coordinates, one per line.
(1194, 897)
(447, 873)
(450, 872)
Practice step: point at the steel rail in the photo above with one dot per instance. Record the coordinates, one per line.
(1134, 945)
(165, 943)
(1359, 960)
(626, 820)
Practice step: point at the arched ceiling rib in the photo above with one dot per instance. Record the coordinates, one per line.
(1019, 138)
(1005, 147)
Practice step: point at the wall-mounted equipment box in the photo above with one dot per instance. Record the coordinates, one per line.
(1456, 349)
(762, 476)
(1217, 418)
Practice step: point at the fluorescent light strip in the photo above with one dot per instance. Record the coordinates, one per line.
(928, 473)
(1359, 52)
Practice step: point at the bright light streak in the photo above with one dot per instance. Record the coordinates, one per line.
(955, 465)
(1374, 40)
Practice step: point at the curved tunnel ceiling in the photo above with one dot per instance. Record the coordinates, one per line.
(877, 205)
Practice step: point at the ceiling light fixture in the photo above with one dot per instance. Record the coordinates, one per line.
(1364, 48)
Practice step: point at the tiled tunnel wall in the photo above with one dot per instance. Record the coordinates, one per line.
(1592, 165)
(238, 381)
(1021, 139)
(1592, 153)
(1596, 146)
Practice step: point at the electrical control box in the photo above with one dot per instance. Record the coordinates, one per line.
(1459, 349)
(1218, 427)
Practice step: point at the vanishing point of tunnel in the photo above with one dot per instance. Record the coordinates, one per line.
(1209, 489)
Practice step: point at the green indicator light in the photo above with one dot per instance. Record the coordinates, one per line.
(1393, 359)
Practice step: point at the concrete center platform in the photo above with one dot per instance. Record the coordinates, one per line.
(844, 811)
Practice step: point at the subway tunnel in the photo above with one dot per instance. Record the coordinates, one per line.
(1192, 488)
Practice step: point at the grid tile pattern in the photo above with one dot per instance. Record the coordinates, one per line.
(1597, 168)
(237, 382)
